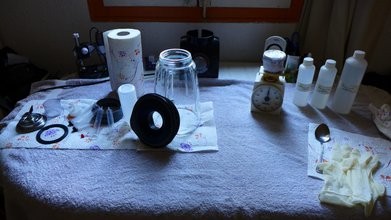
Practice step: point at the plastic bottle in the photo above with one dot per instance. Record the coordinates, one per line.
(304, 82)
(324, 84)
(351, 77)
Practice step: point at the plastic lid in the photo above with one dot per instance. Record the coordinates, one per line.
(31, 122)
(330, 63)
(274, 54)
(308, 61)
(142, 121)
(359, 54)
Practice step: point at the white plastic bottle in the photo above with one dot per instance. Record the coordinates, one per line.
(351, 77)
(304, 82)
(324, 84)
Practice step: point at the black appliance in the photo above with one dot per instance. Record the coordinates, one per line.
(90, 56)
(204, 47)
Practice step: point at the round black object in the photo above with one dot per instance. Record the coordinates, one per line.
(142, 121)
(52, 136)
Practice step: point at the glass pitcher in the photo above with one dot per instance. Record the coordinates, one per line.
(176, 79)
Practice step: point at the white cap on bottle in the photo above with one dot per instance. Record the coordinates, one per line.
(359, 54)
(330, 63)
(273, 61)
(308, 61)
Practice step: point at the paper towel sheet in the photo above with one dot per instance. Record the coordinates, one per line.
(116, 138)
(204, 138)
(376, 146)
(119, 137)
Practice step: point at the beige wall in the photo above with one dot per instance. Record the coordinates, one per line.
(42, 30)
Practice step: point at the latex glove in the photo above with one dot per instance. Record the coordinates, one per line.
(348, 179)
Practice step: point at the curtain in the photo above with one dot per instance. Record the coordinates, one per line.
(333, 29)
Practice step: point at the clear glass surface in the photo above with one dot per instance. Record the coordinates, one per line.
(176, 79)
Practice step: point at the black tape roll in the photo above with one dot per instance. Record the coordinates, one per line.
(143, 125)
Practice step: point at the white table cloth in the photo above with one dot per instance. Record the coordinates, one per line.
(260, 170)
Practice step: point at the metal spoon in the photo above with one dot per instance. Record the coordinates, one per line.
(322, 134)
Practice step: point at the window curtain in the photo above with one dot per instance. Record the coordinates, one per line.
(333, 29)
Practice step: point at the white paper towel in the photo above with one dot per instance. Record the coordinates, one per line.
(124, 58)
(374, 146)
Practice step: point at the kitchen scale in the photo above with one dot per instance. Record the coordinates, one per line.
(269, 85)
(268, 92)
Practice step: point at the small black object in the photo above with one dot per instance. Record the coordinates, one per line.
(149, 63)
(113, 104)
(50, 135)
(204, 47)
(143, 125)
(30, 122)
(16, 78)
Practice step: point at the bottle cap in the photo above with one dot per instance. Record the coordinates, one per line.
(273, 61)
(359, 54)
(330, 63)
(308, 61)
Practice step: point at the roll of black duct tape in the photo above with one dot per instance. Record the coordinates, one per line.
(143, 119)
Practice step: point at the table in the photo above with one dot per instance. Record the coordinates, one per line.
(260, 170)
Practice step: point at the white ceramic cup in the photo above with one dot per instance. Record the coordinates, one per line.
(127, 97)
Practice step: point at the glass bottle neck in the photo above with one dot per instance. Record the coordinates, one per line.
(175, 58)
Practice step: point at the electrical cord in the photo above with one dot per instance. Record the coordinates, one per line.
(71, 86)
(148, 75)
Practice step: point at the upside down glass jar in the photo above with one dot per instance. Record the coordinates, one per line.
(176, 79)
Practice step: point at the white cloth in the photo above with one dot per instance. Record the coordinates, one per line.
(362, 143)
(258, 172)
(348, 179)
(382, 118)
(204, 138)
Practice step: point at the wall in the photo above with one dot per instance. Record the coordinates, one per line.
(42, 30)
(380, 61)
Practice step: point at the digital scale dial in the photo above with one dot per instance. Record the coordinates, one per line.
(267, 98)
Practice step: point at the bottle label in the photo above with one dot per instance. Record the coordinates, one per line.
(303, 87)
(349, 88)
(325, 90)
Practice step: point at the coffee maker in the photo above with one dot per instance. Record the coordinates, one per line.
(204, 47)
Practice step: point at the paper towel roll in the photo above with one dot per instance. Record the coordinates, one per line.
(107, 50)
(124, 58)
